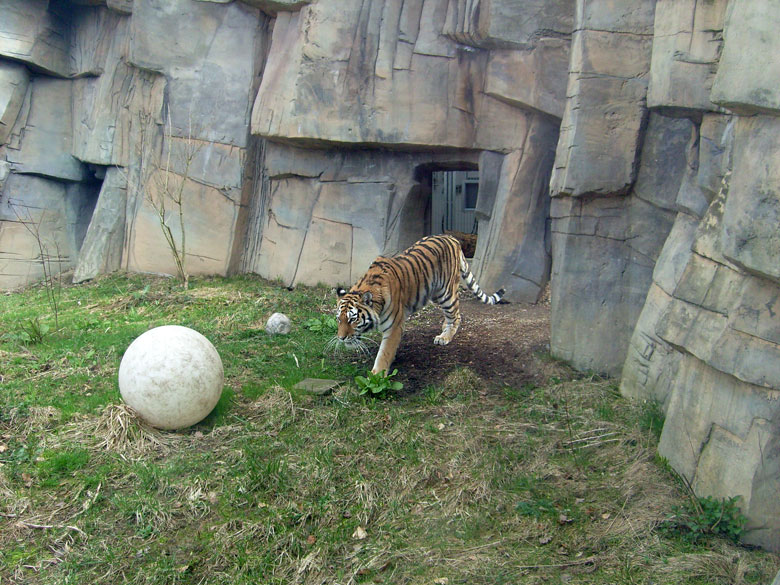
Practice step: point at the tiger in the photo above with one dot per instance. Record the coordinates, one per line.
(395, 287)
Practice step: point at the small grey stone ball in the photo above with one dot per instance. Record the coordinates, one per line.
(278, 323)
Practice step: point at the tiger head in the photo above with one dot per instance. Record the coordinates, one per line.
(356, 314)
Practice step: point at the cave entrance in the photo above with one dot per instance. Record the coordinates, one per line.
(89, 194)
(443, 201)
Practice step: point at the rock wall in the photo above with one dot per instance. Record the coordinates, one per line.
(707, 342)
(114, 105)
(624, 150)
(437, 81)
(665, 218)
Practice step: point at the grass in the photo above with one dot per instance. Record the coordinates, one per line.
(457, 482)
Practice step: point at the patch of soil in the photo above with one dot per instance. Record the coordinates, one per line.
(505, 344)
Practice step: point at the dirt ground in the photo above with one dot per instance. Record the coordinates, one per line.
(505, 344)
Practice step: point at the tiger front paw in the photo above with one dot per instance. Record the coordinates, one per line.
(441, 340)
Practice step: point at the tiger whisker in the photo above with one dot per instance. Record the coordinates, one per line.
(357, 345)
(335, 345)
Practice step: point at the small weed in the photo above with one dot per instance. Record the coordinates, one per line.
(377, 385)
(139, 296)
(433, 395)
(21, 453)
(32, 331)
(652, 418)
(327, 323)
(699, 518)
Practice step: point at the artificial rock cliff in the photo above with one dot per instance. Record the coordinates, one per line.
(624, 150)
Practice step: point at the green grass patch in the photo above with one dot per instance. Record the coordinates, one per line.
(457, 481)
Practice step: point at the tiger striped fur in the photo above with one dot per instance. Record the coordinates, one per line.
(394, 288)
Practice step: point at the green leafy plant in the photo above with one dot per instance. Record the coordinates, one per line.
(652, 418)
(377, 384)
(139, 295)
(32, 331)
(321, 323)
(699, 518)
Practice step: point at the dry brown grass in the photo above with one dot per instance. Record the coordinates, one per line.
(461, 483)
(721, 566)
(119, 430)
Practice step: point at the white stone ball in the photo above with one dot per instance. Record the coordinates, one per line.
(278, 323)
(171, 376)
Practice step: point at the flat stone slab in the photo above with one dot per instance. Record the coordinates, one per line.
(318, 386)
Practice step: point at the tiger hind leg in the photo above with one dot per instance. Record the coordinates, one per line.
(451, 323)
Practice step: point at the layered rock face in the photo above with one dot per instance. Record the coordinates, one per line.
(445, 86)
(624, 151)
(707, 342)
(665, 220)
(105, 109)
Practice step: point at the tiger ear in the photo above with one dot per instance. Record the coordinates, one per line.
(367, 296)
(341, 291)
